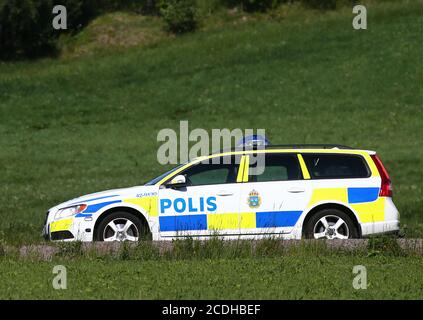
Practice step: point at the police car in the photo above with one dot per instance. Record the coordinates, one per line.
(310, 191)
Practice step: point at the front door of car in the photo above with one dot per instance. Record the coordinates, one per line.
(208, 202)
(275, 195)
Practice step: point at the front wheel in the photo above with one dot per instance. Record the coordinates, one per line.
(119, 226)
(330, 224)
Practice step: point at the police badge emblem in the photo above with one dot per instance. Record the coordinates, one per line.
(254, 199)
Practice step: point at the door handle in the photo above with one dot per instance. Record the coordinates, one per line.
(225, 193)
(296, 190)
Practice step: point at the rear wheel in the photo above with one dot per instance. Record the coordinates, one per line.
(120, 226)
(330, 224)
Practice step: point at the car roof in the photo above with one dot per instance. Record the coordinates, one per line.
(291, 149)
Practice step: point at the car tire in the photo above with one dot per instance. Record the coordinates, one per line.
(330, 224)
(120, 226)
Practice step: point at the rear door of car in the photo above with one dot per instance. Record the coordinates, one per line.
(345, 179)
(275, 195)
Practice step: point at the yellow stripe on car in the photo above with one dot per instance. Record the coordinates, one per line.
(247, 220)
(371, 163)
(367, 211)
(61, 225)
(241, 169)
(303, 166)
(149, 204)
(246, 169)
(370, 211)
(325, 194)
(226, 221)
(222, 221)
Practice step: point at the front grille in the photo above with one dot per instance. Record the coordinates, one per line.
(61, 235)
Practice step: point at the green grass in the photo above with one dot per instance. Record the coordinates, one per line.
(220, 270)
(74, 126)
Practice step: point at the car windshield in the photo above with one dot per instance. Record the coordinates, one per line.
(157, 179)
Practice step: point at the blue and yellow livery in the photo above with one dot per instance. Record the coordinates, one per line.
(311, 192)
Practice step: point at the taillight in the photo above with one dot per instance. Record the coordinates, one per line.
(386, 187)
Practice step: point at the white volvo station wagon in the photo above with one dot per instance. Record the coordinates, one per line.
(300, 191)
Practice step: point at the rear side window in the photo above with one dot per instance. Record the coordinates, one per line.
(275, 167)
(336, 166)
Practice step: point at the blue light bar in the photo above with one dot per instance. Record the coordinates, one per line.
(253, 141)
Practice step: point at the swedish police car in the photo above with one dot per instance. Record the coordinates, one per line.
(311, 191)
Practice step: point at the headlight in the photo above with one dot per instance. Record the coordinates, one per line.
(69, 211)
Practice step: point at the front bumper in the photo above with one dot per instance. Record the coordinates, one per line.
(56, 235)
(68, 229)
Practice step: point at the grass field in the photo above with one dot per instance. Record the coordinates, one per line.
(73, 126)
(267, 278)
(217, 270)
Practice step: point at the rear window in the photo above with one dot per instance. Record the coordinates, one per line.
(336, 166)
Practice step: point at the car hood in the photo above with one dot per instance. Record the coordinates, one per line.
(108, 195)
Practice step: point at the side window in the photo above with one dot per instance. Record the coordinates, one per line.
(336, 166)
(275, 167)
(221, 170)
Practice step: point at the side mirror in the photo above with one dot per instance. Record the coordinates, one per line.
(177, 182)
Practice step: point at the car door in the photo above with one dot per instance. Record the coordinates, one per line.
(208, 203)
(275, 195)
